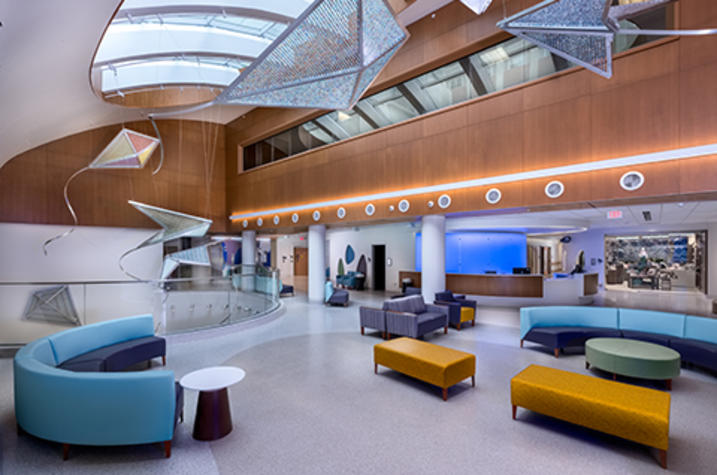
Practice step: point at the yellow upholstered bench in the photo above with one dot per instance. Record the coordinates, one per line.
(427, 362)
(638, 414)
(468, 314)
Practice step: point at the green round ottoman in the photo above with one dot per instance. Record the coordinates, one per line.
(633, 358)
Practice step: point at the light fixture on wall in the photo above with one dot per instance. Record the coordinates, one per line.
(632, 180)
(259, 221)
(316, 215)
(276, 220)
(554, 189)
(245, 223)
(444, 201)
(370, 209)
(430, 203)
(582, 31)
(295, 218)
(643, 159)
(341, 212)
(391, 208)
(493, 196)
(325, 59)
(403, 206)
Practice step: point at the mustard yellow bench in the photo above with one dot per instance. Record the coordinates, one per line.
(427, 362)
(638, 414)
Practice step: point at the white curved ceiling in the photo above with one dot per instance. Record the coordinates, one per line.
(46, 49)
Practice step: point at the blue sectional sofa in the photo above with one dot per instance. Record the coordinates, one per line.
(695, 338)
(94, 407)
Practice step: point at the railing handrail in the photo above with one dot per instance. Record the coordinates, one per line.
(128, 281)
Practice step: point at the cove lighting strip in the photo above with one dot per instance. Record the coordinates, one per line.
(644, 159)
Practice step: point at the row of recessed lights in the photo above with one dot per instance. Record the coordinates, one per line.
(444, 201)
(630, 181)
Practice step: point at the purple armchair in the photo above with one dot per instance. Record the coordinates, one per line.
(455, 304)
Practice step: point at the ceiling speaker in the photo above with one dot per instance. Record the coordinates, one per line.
(554, 189)
(403, 206)
(444, 201)
(493, 196)
(632, 180)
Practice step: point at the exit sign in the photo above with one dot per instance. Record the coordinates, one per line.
(614, 214)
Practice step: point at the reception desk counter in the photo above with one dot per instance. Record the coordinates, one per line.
(508, 289)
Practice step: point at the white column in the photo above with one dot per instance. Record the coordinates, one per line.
(433, 256)
(317, 262)
(248, 259)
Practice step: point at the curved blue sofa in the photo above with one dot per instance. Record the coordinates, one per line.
(695, 338)
(93, 408)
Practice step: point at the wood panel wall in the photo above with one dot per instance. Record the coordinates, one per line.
(662, 96)
(192, 179)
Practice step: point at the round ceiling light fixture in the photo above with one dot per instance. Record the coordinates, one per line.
(403, 206)
(259, 222)
(341, 212)
(493, 196)
(294, 218)
(316, 215)
(245, 223)
(430, 203)
(632, 180)
(276, 220)
(444, 201)
(370, 209)
(391, 208)
(554, 189)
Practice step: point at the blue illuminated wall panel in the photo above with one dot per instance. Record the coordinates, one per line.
(474, 252)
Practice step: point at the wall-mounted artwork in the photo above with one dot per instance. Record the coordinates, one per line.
(52, 305)
(340, 270)
(350, 254)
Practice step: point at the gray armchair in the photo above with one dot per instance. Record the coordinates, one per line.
(373, 318)
(411, 317)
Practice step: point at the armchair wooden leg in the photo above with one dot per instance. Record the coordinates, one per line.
(164, 360)
(473, 323)
(445, 329)
(167, 448)
(383, 335)
(556, 351)
(388, 336)
(362, 331)
(668, 383)
(521, 343)
(65, 451)
(473, 380)
(445, 394)
(515, 410)
(663, 459)
(459, 326)
(375, 368)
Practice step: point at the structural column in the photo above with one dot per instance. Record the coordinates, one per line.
(433, 256)
(317, 262)
(248, 259)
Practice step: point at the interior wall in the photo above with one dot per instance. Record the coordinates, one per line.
(285, 245)
(88, 254)
(191, 180)
(399, 239)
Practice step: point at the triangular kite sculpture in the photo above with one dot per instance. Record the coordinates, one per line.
(174, 225)
(52, 305)
(478, 6)
(129, 149)
(325, 59)
(582, 31)
(196, 256)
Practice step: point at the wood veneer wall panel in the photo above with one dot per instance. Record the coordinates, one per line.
(192, 179)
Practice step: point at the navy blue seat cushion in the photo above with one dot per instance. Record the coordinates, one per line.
(701, 353)
(563, 337)
(339, 297)
(656, 338)
(430, 321)
(118, 356)
(179, 400)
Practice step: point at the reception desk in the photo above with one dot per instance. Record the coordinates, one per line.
(512, 289)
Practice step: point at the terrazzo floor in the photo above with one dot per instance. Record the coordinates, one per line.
(310, 403)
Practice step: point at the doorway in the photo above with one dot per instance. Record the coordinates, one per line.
(301, 261)
(378, 253)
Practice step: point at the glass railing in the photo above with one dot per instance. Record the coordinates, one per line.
(31, 310)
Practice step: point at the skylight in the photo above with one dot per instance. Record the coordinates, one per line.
(158, 43)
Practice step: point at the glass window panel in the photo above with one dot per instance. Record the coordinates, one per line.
(313, 136)
(349, 121)
(388, 107)
(443, 87)
(282, 145)
(249, 156)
